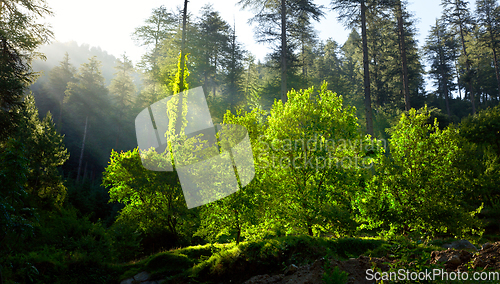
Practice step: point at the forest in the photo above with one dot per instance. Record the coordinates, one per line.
(356, 162)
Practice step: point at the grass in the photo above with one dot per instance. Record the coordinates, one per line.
(221, 263)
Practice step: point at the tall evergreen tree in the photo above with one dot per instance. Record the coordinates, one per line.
(122, 90)
(122, 87)
(213, 42)
(457, 15)
(272, 18)
(89, 102)
(59, 77)
(353, 12)
(399, 10)
(441, 53)
(20, 35)
(235, 70)
(488, 19)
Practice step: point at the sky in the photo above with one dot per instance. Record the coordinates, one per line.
(110, 23)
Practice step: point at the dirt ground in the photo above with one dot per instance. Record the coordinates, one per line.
(486, 258)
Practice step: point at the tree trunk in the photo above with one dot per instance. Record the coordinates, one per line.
(233, 77)
(467, 65)
(497, 73)
(444, 85)
(458, 81)
(214, 85)
(368, 101)
(404, 62)
(310, 230)
(283, 52)
(183, 45)
(178, 123)
(81, 151)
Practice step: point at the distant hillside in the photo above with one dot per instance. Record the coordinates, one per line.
(78, 54)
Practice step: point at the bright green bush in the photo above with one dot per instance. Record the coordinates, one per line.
(419, 189)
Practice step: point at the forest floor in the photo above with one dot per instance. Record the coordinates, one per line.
(303, 259)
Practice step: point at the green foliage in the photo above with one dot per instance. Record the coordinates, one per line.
(20, 35)
(177, 85)
(483, 129)
(15, 214)
(47, 152)
(312, 159)
(483, 166)
(418, 190)
(122, 86)
(334, 276)
(153, 200)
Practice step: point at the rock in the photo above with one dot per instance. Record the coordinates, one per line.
(451, 258)
(291, 269)
(141, 277)
(461, 244)
(454, 260)
(486, 246)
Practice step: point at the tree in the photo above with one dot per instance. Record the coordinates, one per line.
(457, 15)
(234, 73)
(271, 17)
(251, 83)
(122, 90)
(213, 47)
(483, 166)
(183, 50)
(419, 189)
(441, 53)
(153, 200)
(487, 12)
(59, 77)
(122, 87)
(402, 48)
(88, 99)
(306, 154)
(387, 77)
(20, 36)
(44, 146)
(159, 27)
(348, 13)
(352, 71)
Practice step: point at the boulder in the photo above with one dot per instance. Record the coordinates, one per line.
(461, 244)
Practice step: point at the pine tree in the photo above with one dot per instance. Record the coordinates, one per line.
(352, 12)
(213, 46)
(122, 90)
(399, 10)
(235, 70)
(122, 86)
(456, 14)
(88, 101)
(46, 152)
(441, 53)
(488, 19)
(273, 18)
(59, 77)
(20, 35)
